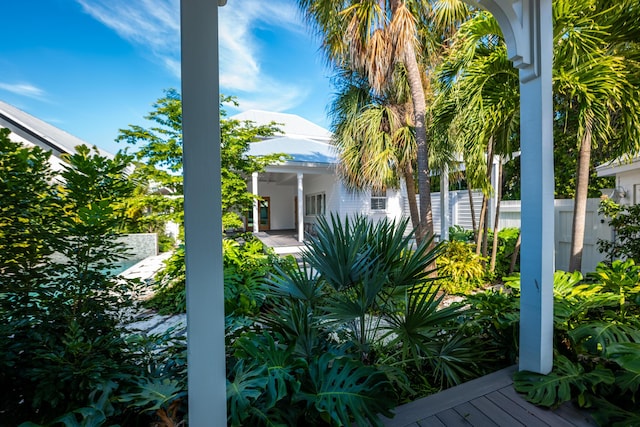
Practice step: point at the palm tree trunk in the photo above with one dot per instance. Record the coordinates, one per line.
(580, 205)
(494, 248)
(481, 242)
(481, 227)
(514, 255)
(411, 195)
(419, 108)
(473, 212)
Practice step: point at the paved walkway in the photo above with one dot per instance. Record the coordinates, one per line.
(283, 242)
(145, 320)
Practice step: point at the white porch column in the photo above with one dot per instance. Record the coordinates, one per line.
(256, 203)
(300, 207)
(445, 216)
(528, 30)
(203, 213)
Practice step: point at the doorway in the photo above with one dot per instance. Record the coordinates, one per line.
(264, 213)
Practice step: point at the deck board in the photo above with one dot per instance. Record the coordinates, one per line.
(488, 401)
(474, 416)
(499, 416)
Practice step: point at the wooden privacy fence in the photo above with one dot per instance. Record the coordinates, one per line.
(597, 226)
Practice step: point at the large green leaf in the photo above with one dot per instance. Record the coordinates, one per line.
(343, 391)
(596, 336)
(626, 355)
(567, 380)
(281, 366)
(246, 386)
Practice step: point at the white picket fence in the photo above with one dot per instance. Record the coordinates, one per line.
(596, 226)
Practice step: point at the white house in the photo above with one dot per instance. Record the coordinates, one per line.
(295, 192)
(627, 173)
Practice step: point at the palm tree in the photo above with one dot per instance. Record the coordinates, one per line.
(374, 137)
(595, 67)
(371, 37)
(478, 105)
(594, 82)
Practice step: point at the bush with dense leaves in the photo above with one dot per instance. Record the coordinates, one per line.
(60, 339)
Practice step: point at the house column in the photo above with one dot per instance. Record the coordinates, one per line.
(528, 31)
(256, 202)
(300, 207)
(445, 216)
(202, 213)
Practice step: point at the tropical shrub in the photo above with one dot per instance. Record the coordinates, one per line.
(458, 233)
(59, 301)
(460, 268)
(246, 261)
(349, 332)
(507, 238)
(625, 221)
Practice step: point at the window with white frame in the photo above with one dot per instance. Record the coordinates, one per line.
(378, 200)
(315, 204)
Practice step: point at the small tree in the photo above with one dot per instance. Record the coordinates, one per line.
(159, 164)
(625, 221)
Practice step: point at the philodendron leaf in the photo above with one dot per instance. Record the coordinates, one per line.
(626, 355)
(247, 385)
(567, 380)
(344, 390)
(597, 336)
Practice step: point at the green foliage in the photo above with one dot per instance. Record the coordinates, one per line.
(568, 380)
(338, 331)
(158, 169)
(60, 302)
(596, 342)
(458, 233)
(495, 318)
(462, 271)
(507, 238)
(625, 221)
(342, 389)
(247, 262)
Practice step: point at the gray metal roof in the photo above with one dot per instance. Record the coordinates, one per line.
(290, 124)
(40, 133)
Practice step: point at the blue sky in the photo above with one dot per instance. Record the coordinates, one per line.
(92, 67)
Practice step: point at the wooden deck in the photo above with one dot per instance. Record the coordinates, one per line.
(486, 401)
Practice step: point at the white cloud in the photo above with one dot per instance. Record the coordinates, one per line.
(24, 89)
(155, 25)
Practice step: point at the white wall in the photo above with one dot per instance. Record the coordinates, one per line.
(630, 183)
(329, 185)
(281, 204)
